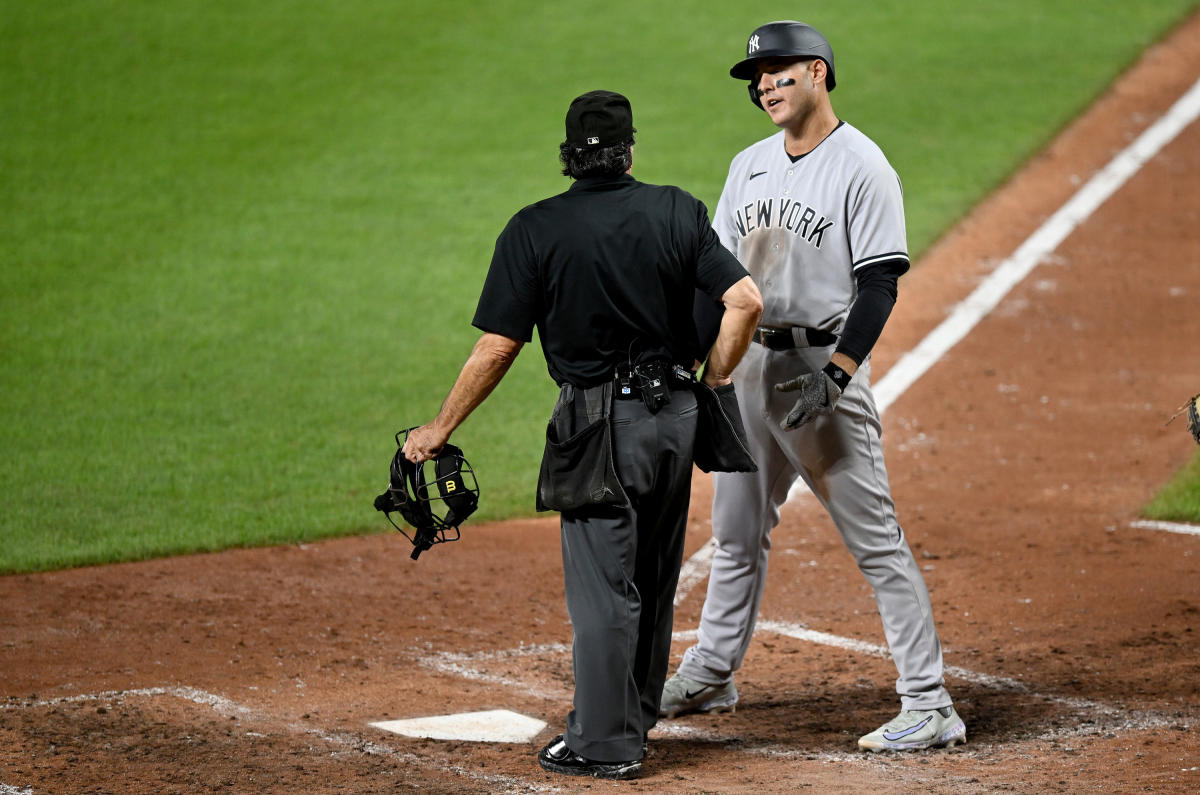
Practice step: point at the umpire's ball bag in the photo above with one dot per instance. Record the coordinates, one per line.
(577, 464)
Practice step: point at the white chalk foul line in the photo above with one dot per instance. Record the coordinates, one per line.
(1169, 527)
(1044, 241)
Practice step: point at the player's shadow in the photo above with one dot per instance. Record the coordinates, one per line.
(831, 721)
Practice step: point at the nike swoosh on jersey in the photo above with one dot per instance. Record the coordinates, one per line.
(754, 174)
(906, 732)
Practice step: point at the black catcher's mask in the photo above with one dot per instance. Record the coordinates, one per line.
(434, 507)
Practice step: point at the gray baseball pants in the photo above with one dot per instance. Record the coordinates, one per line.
(840, 458)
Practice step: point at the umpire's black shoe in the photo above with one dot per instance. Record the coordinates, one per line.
(558, 758)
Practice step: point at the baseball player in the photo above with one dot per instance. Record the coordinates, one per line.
(815, 214)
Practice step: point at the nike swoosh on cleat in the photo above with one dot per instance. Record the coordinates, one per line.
(906, 732)
(754, 174)
(686, 694)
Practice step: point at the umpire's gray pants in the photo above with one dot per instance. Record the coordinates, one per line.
(841, 459)
(620, 567)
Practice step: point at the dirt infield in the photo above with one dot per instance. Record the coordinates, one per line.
(1018, 463)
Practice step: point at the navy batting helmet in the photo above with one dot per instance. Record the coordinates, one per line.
(786, 39)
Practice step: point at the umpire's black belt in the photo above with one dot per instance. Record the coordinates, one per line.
(782, 339)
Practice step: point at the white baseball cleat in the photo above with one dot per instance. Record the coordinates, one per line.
(913, 730)
(681, 696)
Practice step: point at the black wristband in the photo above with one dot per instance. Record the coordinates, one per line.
(838, 375)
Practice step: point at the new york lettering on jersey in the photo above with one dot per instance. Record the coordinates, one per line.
(784, 213)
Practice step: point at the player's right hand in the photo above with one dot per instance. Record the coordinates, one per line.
(818, 394)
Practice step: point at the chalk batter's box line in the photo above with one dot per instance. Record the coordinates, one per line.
(1111, 718)
(468, 665)
(226, 707)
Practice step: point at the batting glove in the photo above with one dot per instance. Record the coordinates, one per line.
(818, 395)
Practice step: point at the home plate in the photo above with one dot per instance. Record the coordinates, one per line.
(492, 726)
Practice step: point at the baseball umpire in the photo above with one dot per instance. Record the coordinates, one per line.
(815, 213)
(606, 272)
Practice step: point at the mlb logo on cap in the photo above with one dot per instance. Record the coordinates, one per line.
(599, 118)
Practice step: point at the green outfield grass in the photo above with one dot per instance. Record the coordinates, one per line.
(241, 242)
(1180, 499)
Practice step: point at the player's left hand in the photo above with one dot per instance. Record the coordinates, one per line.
(818, 394)
(423, 443)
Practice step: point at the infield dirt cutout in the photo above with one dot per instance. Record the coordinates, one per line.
(1019, 462)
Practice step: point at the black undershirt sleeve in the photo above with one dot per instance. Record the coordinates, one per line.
(877, 289)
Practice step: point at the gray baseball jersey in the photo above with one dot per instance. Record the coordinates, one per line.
(804, 228)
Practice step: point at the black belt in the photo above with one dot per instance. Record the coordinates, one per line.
(782, 339)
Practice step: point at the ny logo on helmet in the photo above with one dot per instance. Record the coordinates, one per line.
(752, 45)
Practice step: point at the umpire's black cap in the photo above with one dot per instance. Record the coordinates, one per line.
(599, 118)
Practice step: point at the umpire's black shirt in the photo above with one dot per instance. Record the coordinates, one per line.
(606, 271)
